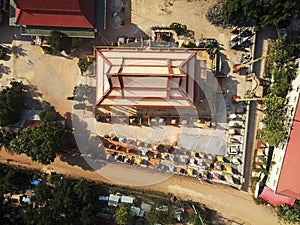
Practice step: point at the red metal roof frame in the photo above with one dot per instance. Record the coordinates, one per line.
(120, 75)
(288, 182)
(109, 80)
(151, 106)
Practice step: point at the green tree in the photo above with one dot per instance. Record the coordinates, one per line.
(13, 179)
(289, 214)
(42, 193)
(152, 217)
(41, 142)
(260, 13)
(11, 103)
(6, 135)
(180, 29)
(83, 64)
(123, 214)
(194, 219)
(281, 52)
(281, 68)
(60, 41)
(274, 131)
(76, 42)
(162, 212)
(48, 113)
(88, 214)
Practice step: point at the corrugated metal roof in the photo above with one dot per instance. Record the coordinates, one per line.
(127, 199)
(289, 183)
(56, 13)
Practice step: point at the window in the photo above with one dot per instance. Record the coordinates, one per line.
(274, 182)
(277, 171)
(280, 159)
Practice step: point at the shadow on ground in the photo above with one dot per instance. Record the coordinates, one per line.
(87, 150)
(4, 70)
(33, 99)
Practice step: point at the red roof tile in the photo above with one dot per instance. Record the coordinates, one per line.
(56, 13)
(289, 183)
(274, 199)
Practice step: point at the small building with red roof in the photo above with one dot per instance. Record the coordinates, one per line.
(283, 175)
(75, 18)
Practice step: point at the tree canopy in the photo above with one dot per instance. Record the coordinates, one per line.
(123, 214)
(6, 135)
(48, 113)
(11, 103)
(289, 214)
(164, 215)
(13, 179)
(60, 41)
(281, 68)
(41, 142)
(261, 13)
(71, 202)
(83, 64)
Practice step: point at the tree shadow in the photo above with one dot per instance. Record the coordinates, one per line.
(4, 70)
(32, 97)
(6, 57)
(18, 51)
(84, 93)
(87, 150)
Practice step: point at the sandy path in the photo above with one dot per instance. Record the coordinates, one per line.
(232, 204)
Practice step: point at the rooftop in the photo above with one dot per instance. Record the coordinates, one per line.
(288, 183)
(55, 13)
(275, 199)
(146, 78)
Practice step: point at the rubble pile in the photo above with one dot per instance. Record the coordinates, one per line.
(215, 15)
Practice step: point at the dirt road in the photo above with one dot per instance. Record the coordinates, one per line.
(230, 203)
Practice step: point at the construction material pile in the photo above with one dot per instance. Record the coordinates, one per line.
(215, 15)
